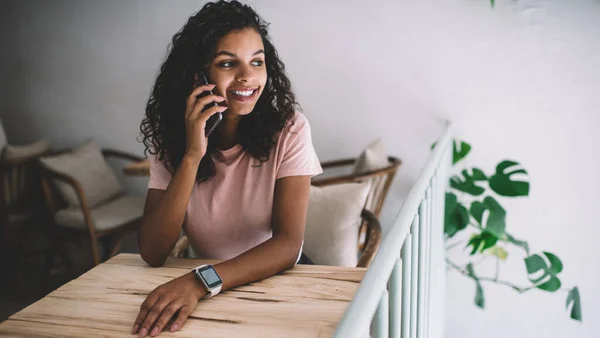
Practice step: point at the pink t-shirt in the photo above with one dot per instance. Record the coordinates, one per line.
(231, 213)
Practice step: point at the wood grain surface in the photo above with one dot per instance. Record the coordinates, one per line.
(305, 301)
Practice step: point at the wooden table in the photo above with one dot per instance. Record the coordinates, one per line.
(305, 301)
(141, 168)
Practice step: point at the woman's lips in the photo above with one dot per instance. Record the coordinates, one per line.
(242, 98)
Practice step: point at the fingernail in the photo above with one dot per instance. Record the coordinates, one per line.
(143, 332)
(135, 328)
(221, 98)
(154, 331)
(175, 327)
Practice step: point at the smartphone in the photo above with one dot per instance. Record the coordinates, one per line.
(214, 120)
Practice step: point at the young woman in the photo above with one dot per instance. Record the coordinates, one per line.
(240, 195)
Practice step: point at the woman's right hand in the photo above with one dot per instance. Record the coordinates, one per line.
(195, 120)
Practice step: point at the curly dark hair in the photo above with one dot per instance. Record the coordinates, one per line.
(192, 49)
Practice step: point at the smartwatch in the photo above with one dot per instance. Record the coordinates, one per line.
(210, 279)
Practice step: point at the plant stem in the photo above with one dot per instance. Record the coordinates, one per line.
(450, 246)
(476, 226)
(497, 269)
(487, 279)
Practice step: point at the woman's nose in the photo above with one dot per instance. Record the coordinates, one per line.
(245, 74)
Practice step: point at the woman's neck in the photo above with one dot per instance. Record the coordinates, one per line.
(227, 133)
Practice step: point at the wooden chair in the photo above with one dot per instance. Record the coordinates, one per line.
(366, 257)
(381, 180)
(21, 211)
(93, 224)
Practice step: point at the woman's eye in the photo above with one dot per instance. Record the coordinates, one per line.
(226, 64)
(257, 63)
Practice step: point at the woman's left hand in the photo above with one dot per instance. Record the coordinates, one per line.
(181, 294)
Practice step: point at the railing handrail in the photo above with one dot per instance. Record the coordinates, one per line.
(365, 302)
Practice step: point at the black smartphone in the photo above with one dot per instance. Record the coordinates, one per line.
(214, 120)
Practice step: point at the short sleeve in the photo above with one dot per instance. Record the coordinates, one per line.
(298, 154)
(159, 175)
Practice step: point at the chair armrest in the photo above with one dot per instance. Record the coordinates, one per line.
(52, 175)
(348, 178)
(374, 234)
(338, 163)
(180, 247)
(7, 164)
(121, 155)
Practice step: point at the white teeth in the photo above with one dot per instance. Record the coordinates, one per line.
(243, 92)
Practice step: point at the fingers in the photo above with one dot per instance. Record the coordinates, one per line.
(152, 316)
(197, 91)
(203, 116)
(202, 103)
(166, 315)
(184, 313)
(144, 309)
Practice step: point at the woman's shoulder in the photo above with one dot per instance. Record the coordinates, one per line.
(296, 131)
(296, 123)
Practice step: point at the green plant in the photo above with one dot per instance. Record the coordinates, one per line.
(490, 239)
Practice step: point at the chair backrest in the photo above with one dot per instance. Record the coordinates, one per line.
(52, 196)
(381, 180)
(20, 187)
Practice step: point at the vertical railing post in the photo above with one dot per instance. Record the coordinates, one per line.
(396, 282)
(406, 256)
(427, 283)
(414, 287)
(380, 322)
(423, 219)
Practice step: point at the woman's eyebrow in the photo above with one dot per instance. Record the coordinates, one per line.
(233, 55)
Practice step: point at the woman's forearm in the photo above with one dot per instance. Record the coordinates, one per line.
(161, 226)
(265, 260)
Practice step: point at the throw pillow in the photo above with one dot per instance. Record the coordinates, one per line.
(88, 167)
(372, 158)
(332, 223)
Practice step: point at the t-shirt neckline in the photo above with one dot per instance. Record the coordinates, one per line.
(232, 150)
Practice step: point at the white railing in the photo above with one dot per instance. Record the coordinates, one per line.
(403, 291)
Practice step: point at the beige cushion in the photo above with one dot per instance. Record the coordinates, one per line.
(108, 216)
(373, 157)
(88, 167)
(332, 223)
(12, 152)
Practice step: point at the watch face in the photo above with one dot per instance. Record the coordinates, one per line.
(210, 276)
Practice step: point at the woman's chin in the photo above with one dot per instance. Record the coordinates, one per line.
(239, 112)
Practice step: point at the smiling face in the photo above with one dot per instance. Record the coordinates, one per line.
(239, 70)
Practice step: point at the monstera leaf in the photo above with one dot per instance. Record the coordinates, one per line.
(573, 298)
(457, 216)
(495, 222)
(502, 183)
(467, 183)
(460, 152)
(482, 241)
(536, 263)
(479, 300)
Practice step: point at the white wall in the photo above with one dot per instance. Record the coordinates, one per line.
(519, 82)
